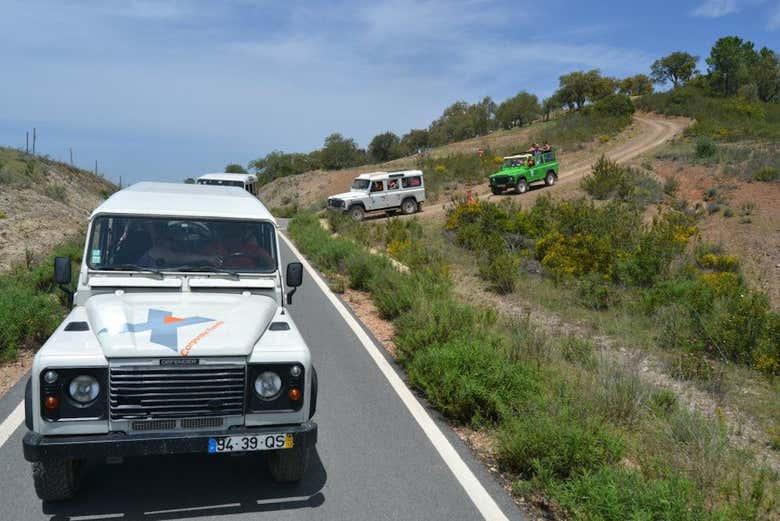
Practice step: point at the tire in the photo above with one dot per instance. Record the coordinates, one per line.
(56, 480)
(357, 212)
(495, 191)
(550, 178)
(289, 465)
(408, 206)
(522, 186)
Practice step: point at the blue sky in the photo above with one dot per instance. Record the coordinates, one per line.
(163, 90)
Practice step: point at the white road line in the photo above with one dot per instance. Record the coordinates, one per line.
(11, 423)
(479, 496)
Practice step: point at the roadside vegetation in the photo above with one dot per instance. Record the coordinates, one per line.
(31, 306)
(586, 432)
(607, 254)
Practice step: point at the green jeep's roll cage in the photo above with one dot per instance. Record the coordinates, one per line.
(519, 171)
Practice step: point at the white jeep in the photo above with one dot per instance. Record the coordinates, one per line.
(381, 191)
(178, 341)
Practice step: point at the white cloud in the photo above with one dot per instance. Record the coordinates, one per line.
(716, 8)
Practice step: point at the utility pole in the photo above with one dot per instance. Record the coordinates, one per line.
(34, 140)
(71, 155)
(95, 167)
(27, 142)
(120, 182)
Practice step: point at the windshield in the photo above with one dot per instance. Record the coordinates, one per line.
(181, 244)
(517, 161)
(360, 184)
(220, 182)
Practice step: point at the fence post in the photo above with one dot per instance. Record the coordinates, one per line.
(27, 142)
(34, 136)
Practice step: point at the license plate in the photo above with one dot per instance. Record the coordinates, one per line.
(250, 443)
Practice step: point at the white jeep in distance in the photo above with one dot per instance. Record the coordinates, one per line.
(178, 341)
(381, 191)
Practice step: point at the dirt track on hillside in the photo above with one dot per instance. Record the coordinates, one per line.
(651, 131)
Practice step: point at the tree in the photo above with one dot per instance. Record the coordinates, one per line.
(549, 105)
(518, 110)
(415, 141)
(189, 181)
(339, 152)
(730, 64)
(579, 87)
(279, 164)
(235, 168)
(482, 115)
(637, 85)
(767, 75)
(455, 124)
(384, 147)
(678, 67)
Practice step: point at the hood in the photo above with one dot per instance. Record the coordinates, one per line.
(178, 324)
(348, 195)
(509, 171)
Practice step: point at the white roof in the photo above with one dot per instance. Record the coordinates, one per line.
(185, 200)
(382, 175)
(222, 176)
(518, 156)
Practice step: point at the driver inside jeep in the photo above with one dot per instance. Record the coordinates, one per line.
(231, 245)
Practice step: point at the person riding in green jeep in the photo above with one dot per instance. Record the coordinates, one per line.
(519, 171)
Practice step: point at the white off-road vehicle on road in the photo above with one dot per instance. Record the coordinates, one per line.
(402, 190)
(178, 341)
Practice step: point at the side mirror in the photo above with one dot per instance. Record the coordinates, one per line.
(62, 270)
(293, 278)
(62, 276)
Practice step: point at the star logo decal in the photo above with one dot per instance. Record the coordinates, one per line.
(164, 327)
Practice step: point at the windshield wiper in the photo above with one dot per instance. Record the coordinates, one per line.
(209, 269)
(131, 267)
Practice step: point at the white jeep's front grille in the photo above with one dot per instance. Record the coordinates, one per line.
(148, 392)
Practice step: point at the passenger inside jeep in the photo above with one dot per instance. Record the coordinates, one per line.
(182, 244)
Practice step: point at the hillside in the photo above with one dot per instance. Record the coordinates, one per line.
(311, 188)
(41, 203)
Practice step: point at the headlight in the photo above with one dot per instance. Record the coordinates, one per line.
(268, 385)
(84, 389)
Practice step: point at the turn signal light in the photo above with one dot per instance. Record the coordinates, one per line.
(51, 402)
(295, 394)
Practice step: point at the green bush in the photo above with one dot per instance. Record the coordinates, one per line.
(27, 316)
(552, 441)
(618, 494)
(766, 174)
(705, 148)
(467, 381)
(502, 271)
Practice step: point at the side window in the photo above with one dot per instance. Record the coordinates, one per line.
(392, 184)
(411, 182)
(377, 186)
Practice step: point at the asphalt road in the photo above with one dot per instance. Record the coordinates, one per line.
(374, 460)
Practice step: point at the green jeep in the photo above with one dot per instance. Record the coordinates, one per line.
(521, 170)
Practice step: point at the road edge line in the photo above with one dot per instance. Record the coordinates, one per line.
(477, 493)
(11, 423)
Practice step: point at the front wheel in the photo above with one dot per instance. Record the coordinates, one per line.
(357, 213)
(496, 191)
(56, 480)
(289, 465)
(521, 187)
(409, 206)
(550, 179)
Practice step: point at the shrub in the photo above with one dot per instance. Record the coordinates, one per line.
(614, 105)
(618, 494)
(705, 148)
(467, 381)
(361, 268)
(596, 293)
(671, 186)
(664, 401)
(766, 174)
(552, 441)
(728, 212)
(719, 262)
(285, 212)
(502, 271)
(3, 215)
(576, 350)
(27, 316)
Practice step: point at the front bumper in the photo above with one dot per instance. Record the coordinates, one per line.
(119, 445)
